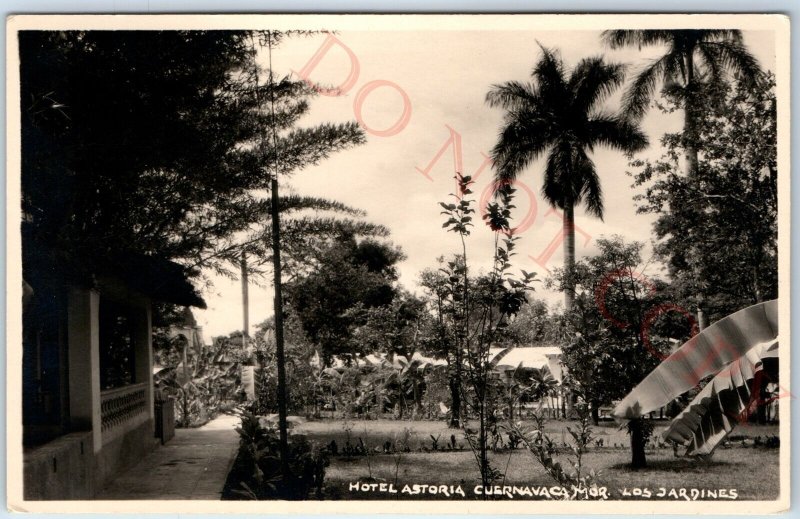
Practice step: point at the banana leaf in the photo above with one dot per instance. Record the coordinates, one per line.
(723, 402)
(703, 355)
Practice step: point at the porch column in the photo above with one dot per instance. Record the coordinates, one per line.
(83, 339)
(143, 354)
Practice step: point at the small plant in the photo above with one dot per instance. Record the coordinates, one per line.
(435, 442)
(544, 449)
(403, 443)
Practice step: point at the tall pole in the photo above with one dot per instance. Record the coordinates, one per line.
(279, 347)
(276, 262)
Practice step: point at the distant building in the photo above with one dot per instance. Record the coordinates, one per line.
(527, 357)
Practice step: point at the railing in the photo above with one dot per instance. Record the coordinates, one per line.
(122, 405)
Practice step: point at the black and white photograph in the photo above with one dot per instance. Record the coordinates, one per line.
(349, 263)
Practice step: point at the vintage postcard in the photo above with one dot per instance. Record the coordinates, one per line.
(515, 259)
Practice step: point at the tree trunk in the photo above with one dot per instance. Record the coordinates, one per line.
(689, 113)
(757, 283)
(415, 403)
(279, 351)
(455, 403)
(245, 306)
(595, 413)
(569, 254)
(638, 459)
(761, 395)
(483, 443)
(701, 319)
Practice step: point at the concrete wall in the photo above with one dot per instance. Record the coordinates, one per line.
(124, 452)
(61, 469)
(67, 468)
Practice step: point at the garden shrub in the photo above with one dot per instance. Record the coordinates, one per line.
(259, 455)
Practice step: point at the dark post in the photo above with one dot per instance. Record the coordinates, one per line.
(279, 353)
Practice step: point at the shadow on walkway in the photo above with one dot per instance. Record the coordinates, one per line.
(193, 465)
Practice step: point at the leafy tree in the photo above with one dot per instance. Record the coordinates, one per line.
(560, 115)
(154, 141)
(301, 393)
(132, 141)
(284, 148)
(532, 326)
(614, 335)
(732, 263)
(438, 339)
(351, 276)
(393, 329)
(476, 308)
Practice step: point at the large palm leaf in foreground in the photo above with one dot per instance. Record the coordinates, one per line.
(726, 400)
(733, 349)
(560, 116)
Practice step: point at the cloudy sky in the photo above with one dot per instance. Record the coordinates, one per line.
(440, 80)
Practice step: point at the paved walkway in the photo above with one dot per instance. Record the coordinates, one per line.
(193, 465)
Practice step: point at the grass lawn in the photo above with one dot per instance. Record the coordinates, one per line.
(751, 472)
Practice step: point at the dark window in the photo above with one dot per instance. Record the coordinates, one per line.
(117, 362)
(44, 392)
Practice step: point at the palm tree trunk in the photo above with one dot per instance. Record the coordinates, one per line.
(689, 114)
(690, 144)
(569, 254)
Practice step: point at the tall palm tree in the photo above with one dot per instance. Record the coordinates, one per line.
(560, 115)
(692, 57)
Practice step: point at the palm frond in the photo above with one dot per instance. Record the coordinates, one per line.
(732, 35)
(592, 81)
(639, 38)
(590, 192)
(557, 186)
(726, 399)
(292, 203)
(616, 133)
(730, 56)
(306, 147)
(638, 95)
(512, 95)
(521, 141)
(548, 73)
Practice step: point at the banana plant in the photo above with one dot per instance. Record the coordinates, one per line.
(731, 350)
